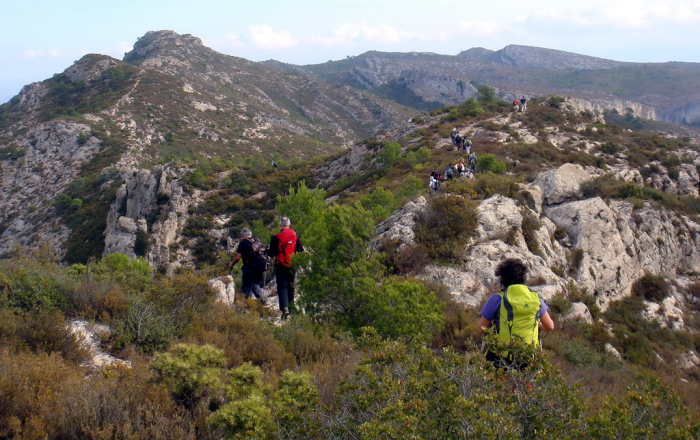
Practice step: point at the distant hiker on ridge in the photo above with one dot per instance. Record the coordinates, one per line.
(523, 104)
(449, 173)
(467, 145)
(453, 134)
(458, 141)
(282, 246)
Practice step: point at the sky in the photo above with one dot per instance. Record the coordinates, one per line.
(40, 37)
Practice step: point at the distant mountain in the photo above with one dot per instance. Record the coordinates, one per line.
(661, 91)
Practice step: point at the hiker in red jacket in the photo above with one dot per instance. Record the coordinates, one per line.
(282, 246)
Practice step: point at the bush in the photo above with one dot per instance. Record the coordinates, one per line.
(380, 202)
(402, 391)
(410, 187)
(190, 372)
(31, 286)
(651, 287)
(531, 224)
(242, 337)
(42, 396)
(42, 331)
(444, 226)
(390, 153)
(489, 163)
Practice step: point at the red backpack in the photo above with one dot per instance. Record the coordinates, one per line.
(287, 241)
(515, 102)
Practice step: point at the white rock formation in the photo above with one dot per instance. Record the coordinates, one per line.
(579, 312)
(224, 289)
(88, 334)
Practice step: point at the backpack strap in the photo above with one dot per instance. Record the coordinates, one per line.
(511, 316)
(509, 311)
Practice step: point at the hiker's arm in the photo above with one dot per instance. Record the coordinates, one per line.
(546, 323)
(273, 248)
(235, 260)
(299, 247)
(483, 324)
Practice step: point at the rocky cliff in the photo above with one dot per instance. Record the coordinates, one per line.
(597, 247)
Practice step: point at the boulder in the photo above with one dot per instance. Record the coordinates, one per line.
(562, 184)
(578, 312)
(89, 335)
(612, 350)
(224, 289)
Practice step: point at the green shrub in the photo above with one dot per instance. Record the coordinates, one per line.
(389, 154)
(650, 409)
(610, 148)
(531, 224)
(144, 325)
(651, 287)
(444, 226)
(410, 187)
(380, 202)
(31, 286)
(82, 138)
(489, 163)
(190, 372)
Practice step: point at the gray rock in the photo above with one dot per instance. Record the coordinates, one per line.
(224, 289)
(612, 350)
(579, 312)
(562, 184)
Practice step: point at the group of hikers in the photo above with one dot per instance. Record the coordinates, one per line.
(520, 105)
(257, 258)
(463, 168)
(517, 311)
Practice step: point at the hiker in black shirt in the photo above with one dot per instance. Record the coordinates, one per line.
(252, 274)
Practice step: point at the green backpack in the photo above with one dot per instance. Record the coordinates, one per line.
(520, 314)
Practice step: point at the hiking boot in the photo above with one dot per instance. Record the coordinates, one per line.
(285, 313)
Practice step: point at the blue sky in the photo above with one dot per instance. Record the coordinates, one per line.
(39, 38)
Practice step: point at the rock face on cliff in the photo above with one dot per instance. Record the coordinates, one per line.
(599, 247)
(49, 157)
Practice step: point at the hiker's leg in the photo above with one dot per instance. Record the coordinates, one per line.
(247, 281)
(282, 286)
(257, 285)
(290, 286)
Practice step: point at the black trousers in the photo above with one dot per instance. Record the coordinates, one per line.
(285, 285)
(251, 280)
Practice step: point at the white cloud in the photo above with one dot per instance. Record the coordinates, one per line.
(383, 34)
(265, 37)
(480, 28)
(622, 14)
(33, 54)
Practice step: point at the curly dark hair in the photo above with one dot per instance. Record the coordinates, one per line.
(511, 271)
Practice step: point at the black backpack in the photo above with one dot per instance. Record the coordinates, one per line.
(261, 259)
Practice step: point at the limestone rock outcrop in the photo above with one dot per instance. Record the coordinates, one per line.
(224, 289)
(600, 247)
(90, 335)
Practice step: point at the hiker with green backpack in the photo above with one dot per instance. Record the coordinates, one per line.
(517, 312)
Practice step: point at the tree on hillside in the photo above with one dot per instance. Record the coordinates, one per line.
(343, 279)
